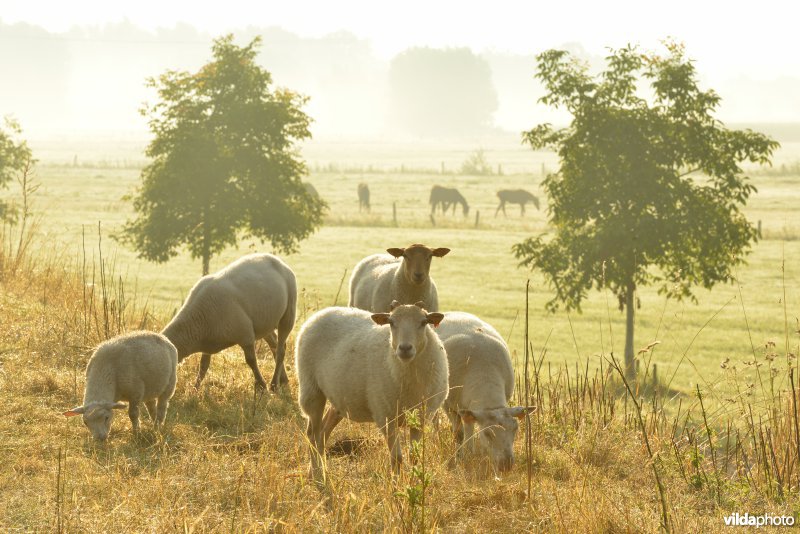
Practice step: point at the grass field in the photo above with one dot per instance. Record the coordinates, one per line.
(231, 461)
(480, 275)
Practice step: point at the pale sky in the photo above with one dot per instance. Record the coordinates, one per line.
(728, 39)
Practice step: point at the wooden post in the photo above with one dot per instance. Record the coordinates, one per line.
(477, 218)
(759, 228)
(394, 213)
(443, 167)
(543, 171)
(499, 170)
(655, 375)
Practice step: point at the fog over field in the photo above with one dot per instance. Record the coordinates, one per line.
(83, 69)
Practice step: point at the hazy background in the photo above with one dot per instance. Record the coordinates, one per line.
(80, 69)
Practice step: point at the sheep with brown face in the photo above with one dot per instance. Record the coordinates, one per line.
(481, 384)
(135, 367)
(402, 275)
(368, 372)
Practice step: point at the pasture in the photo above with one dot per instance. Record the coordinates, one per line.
(233, 461)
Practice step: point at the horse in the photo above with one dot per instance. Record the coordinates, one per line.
(447, 196)
(515, 196)
(363, 196)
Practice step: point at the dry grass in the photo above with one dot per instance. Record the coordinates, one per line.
(232, 461)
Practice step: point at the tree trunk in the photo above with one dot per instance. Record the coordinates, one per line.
(630, 367)
(206, 243)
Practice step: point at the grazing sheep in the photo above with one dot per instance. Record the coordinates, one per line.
(481, 383)
(447, 196)
(515, 196)
(402, 275)
(368, 372)
(135, 367)
(247, 300)
(363, 197)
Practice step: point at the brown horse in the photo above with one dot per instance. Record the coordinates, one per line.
(447, 196)
(515, 196)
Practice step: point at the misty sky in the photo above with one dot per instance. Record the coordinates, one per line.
(748, 52)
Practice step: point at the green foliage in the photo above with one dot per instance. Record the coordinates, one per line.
(435, 92)
(15, 157)
(649, 189)
(476, 164)
(224, 161)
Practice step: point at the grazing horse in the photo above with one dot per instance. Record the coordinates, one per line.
(363, 196)
(311, 190)
(515, 196)
(447, 196)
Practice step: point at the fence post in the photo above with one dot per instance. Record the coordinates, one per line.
(759, 228)
(394, 213)
(477, 218)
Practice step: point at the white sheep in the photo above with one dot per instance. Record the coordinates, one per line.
(247, 300)
(402, 275)
(135, 367)
(369, 372)
(481, 384)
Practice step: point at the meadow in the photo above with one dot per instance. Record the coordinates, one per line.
(231, 460)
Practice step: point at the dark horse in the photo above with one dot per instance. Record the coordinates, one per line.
(515, 196)
(363, 196)
(447, 196)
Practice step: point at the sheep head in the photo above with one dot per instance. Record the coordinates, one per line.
(497, 429)
(97, 417)
(408, 324)
(417, 261)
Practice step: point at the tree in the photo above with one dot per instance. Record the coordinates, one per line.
(224, 162)
(438, 92)
(649, 190)
(15, 157)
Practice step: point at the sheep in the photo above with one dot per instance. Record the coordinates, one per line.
(368, 372)
(402, 275)
(363, 197)
(481, 383)
(135, 367)
(248, 300)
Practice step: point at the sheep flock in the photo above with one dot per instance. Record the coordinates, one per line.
(389, 354)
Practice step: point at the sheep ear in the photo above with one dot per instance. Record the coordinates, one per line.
(468, 416)
(439, 252)
(420, 304)
(117, 406)
(435, 318)
(394, 304)
(75, 411)
(520, 411)
(380, 318)
(396, 252)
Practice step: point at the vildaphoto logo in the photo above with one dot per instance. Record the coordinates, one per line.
(764, 520)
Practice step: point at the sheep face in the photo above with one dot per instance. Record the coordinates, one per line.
(497, 429)
(417, 261)
(408, 324)
(97, 417)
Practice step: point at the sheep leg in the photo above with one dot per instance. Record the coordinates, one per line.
(457, 425)
(329, 421)
(469, 437)
(151, 409)
(313, 405)
(250, 358)
(163, 404)
(278, 349)
(205, 361)
(133, 413)
(390, 430)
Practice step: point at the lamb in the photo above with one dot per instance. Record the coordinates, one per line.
(135, 367)
(368, 372)
(481, 383)
(402, 275)
(248, 300)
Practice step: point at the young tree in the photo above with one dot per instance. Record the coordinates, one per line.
(15, 157)
(649, 190)
(224, 161)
